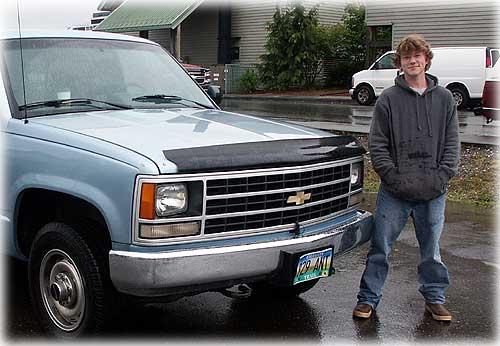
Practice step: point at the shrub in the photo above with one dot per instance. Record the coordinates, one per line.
(294, 48)
(249, 81)
(346, 45)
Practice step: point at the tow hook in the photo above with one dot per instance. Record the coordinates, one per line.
(238, 291)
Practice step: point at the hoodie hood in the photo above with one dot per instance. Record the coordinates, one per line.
(432, 83)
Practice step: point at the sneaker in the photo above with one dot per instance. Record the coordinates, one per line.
(362, 311)
(438, 312)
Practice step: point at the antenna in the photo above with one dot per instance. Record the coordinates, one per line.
(22, 62)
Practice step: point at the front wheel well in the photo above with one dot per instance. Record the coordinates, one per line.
(453, 85)
(37, 207)
(364, 84)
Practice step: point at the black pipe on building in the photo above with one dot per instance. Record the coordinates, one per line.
(224, 37)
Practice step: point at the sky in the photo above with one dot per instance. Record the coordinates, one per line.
(47, 14)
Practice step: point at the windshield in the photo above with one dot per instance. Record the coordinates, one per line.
(111, 72)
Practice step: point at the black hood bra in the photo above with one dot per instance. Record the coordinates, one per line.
(269, 154)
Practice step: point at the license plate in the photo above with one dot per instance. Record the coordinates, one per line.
(313, 265)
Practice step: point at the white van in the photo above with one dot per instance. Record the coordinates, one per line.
(460, 69)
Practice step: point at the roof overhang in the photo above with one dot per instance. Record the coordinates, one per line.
(137, 15)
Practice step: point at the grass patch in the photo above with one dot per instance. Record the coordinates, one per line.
(476, 182)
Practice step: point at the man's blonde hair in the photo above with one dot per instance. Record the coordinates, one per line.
(413, 43)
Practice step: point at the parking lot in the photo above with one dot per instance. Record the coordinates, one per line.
(345, 115)
(323, 314)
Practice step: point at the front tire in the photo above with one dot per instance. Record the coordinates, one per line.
(364, 95)
(68, 281)
(460, 95)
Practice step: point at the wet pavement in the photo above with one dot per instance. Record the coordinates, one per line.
(345, 116)
(323, 314)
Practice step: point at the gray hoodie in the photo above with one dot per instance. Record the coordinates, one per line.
(414, 141)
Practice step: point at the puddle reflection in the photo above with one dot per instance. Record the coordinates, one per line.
(367, 329)
(274, 317)
(348, 114)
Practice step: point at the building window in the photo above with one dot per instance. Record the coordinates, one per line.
(235, 53)
(379, 41)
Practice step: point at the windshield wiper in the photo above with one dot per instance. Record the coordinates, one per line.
(162, 98)
(71, 102)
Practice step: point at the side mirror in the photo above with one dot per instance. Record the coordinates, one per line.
(215, 94)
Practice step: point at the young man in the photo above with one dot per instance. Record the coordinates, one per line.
(414, 147)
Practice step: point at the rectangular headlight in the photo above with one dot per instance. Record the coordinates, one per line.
(170, 199)
(169, 230)
(356, 172)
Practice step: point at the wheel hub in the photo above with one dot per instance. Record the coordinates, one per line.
(457, 96)
(62, 290)
(363, 95)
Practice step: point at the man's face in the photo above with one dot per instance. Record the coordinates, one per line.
(413, 63)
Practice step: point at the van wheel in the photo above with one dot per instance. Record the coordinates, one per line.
(460, 95)
(265, 290)
(364, 95)
(68, 282)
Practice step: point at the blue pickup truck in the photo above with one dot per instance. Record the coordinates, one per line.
(124, 180)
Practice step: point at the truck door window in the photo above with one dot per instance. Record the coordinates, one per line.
(385, 63)
(495, 54)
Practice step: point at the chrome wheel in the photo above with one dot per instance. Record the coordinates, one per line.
(363, 95)
(62, 290)
(458, 97)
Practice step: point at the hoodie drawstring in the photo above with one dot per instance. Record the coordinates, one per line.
(419, 127)
(427, 114)
(433, 82)
(418, 117)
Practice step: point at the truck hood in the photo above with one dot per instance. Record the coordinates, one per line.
(151, 132)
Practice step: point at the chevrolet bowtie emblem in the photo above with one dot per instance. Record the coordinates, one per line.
(299, 198)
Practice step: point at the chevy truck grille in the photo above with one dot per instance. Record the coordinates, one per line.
(284, 217)
(276, 181)
(263, 201)
(199, 75)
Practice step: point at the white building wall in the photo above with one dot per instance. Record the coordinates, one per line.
(160, 36)
(199, 36)
(442, 23)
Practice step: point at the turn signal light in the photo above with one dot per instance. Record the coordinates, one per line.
(147, 209)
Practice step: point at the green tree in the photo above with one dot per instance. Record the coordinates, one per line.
(295, 48)
(346, 44)
(249, 81)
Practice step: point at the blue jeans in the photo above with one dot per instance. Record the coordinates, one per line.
(391, 216)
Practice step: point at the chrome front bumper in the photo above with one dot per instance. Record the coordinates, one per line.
(164, 273)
